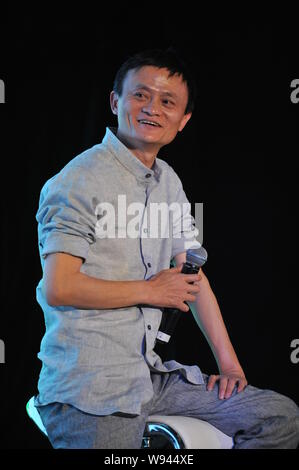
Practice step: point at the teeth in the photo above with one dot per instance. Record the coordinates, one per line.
(143, 121)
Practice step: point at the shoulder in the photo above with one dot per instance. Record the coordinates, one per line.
(81, 172)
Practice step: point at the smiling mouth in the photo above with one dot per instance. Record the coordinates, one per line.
(149, 123)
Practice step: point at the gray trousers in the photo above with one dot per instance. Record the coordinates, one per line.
(254, 418)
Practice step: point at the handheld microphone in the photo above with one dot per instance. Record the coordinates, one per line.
(170, 316)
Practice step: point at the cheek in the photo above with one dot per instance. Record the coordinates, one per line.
(174, 117)
(125, 115)
(174, 123)
(131, 108)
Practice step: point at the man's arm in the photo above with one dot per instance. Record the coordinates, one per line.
(208, 316)
(64, 284)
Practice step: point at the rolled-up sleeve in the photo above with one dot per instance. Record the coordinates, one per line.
(184, 231)
(66, 217)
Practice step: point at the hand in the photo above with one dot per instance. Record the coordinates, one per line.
(171, 288)
(227, 382)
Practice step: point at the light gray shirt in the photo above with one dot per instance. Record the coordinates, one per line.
(100, 360)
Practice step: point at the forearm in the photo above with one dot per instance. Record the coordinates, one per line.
(85, 292)
(65, 284)
(208, 315)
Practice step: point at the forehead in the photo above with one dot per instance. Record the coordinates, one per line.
(155, 78)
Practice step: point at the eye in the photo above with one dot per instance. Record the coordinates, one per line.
(168, 102)
(138, 94)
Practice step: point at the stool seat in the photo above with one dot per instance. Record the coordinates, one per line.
(188, 433)
(35, 416)
(181, 431)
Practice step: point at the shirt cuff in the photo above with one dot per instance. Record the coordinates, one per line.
(65, 243)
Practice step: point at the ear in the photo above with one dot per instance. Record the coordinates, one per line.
(184, 121)
(114, 102)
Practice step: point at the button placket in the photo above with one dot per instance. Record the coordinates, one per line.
(149, 330)
(148, 260)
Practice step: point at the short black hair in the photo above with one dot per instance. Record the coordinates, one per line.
(160, 58)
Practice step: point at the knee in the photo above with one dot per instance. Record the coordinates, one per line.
(280, 405)
(274, 405)
(282, 414)
(288, 408)
(287, 412)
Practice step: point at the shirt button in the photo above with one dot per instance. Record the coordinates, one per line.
(145, 230)
(149, 327)
(148, 175)
(149, 265)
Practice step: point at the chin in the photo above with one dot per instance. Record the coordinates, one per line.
(151, 141)
(147, 137)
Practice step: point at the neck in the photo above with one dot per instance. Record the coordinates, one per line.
(146, 154)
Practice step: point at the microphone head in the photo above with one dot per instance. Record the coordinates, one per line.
(197, 256)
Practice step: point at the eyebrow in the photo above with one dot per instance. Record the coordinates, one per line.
(145, 87)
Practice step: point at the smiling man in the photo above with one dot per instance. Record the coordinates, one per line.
(103, 296)
(151, 109)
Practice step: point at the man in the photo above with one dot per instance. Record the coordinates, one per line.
(105, 283)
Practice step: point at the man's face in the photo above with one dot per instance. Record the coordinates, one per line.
(151, 109)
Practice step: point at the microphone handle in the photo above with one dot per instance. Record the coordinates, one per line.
(171, 316)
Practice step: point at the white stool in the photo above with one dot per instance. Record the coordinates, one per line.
(181, 432)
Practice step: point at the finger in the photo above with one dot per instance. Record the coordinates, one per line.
(212, 381)
(191, 277)
(242, 384)
(184, 307)
(193, 288)
(190, 298)
(230, 387)
(222, 387)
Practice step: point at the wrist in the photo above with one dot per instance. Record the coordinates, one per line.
(228, 362)
(233, 368)
(144, 292)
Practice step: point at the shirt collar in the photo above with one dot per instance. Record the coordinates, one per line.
(129, 160)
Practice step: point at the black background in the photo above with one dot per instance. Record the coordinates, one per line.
(237, 155)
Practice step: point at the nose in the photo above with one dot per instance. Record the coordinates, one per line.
(152, 107)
